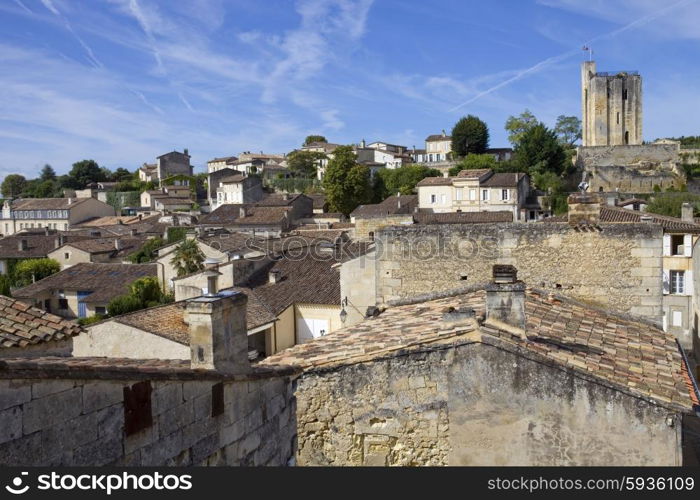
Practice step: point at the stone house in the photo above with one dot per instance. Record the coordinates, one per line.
(217, 164)
(167, 165)
(32, 244)
(237, 189)
(27, 331)
(326, 148)
(393, 205)
(438, 148)
(84, 289)
(476, 191)
(498, 374)
(213, 408)
(54, 213)
(173, 197)
(105, 250)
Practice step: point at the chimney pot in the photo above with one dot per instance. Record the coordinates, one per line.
(505, 300)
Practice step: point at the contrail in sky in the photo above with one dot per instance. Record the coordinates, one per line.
(555, 59)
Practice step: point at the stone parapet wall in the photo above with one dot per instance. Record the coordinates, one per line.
(80, 422)
(366, 225)
(611, 265)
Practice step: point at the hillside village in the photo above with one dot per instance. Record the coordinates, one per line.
(447, 303)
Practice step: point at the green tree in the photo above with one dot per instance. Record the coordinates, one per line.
(13, 185)
(187, 258)
(176, 234)
(670, 203)
(469, 135)
(402, 180)
(48, 173)
(123, 304)
(314, 138)
(5, 285)
(148, 252)
(346, 183)
(84, 172)
(472, 162)
(123, 175)
(147, 290)
(304, 163)
(516, 126)
(568, 130)
(30, 270)
(538, 150)
(45, 189)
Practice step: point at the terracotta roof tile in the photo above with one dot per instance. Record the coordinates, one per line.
(22, 325)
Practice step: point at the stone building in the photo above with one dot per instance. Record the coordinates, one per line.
(499, 374)
(115, 250)
(32, 244)
(84, 289)
(53, 213)
(611, 107)
(236, 189)
(213, 408)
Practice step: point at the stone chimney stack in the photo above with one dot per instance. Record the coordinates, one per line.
(584, 208)
(687, 213)
(218, 332)
(241, 212)
(505, 300)
(23, 245)
(274, 277)
(132, 232)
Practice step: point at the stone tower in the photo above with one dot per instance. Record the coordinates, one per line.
(611, 107)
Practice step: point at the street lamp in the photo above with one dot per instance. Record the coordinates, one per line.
(343, 312)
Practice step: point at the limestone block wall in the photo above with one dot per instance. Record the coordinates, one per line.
(627, 154)
(616, 265)
(475, 404)
(365, 226)
(51, 422)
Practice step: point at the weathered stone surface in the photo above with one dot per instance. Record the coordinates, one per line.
(14, 392)
(52, 409)
(10, 424)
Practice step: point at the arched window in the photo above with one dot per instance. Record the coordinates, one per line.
(627, 137)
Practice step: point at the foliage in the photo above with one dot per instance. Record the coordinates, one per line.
(5, 285)
(187, 258)
(472, 162)
(346, 183)
(516, 126)
(670, 203)
(123, 175)
(144, 292)
(470, 135)
(293, 185)
(47, 173)
(176, 234)
(690, 141)
(123, 304)
(84, 172)
(13, 185)
(304, 163)
(402, 180)
(538, 150)
(148, 251)
(31, 270)
(119, 200)
(91, 320)
(568, 130)
(314, 138)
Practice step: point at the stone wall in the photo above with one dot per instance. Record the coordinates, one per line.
(366, 225)
(476, 404)
(612, 265)
(53, 422)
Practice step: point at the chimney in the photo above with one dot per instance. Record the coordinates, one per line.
(46, 231)
(132, 232)
(443, 133)
(274, 277)
(584, 208)
(687, 213)
(187, 152)
(218, 332)
(59, 241)
(23, 245)
(241, 212)
(70, 201)
(362, 143)
(505, 300)
(117, 244)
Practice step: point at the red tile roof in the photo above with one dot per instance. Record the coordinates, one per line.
(22, 325)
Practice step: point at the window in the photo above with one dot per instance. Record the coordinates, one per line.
(472, 194)
(627, 137)
(433, 198)
(484, 195)
(100, 310)
(63, 303)
(624, 94)
(677, 282)
(677, 318)
(443, 199)
(458, 194)
(505, 194)
(618, 117)
(677, 244)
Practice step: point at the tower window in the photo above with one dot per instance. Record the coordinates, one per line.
(624, 94)
(627, 137)
(618, 117)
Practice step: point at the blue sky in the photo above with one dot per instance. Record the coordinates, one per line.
(122, 81)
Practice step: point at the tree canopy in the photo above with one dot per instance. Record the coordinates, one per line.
(517, 126)
(304, 163)
(47, 173)
(670, 203)
(144, 292)
(568, 130)
(470, 135)
(539, 150)
(402, 180)
(187, 258)
(474, 161)
(346, 183)
(84, 172)
(13, 185)
(314, 138)
(30, 270)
